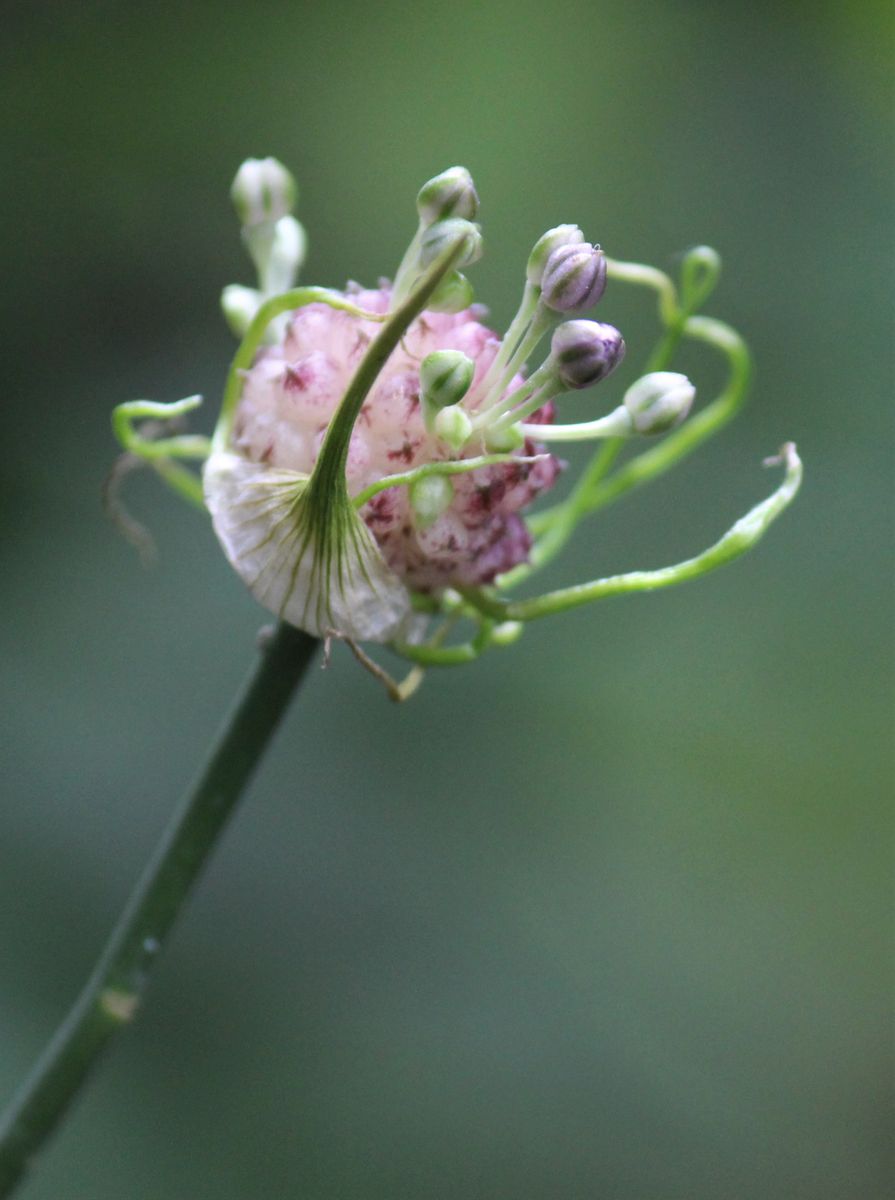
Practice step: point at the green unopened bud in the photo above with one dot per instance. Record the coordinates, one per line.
(445, 378)
(450, 194)
(452, 295)
(442, 234)
(503, 440)
(239, 305)
(280, 259)
(562, 235)
(263, 190)
(429, 498)
(507, 632)
(453, 426)
(659, 401)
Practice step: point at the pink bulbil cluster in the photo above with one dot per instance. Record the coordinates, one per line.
(293, 389)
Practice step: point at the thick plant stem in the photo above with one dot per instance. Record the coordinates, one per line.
(111, 997)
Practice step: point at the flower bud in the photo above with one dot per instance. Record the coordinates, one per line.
(659, 401)
(562, 235)
(281, 260)
(574, 277)
(452, 425)
(503, 440)
(263, 190)
(452, 295)
(450, 194)
(429, 498)
(239, 305)
(442, 234)
(584, 352)
(507, 632)
(445, 377)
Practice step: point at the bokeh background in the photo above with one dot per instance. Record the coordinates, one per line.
(605, 915)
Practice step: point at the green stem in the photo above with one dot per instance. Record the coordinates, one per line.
(181, 480)
(596, 487)
(434, 654)
(441, 467)
(111, 996)
(328, 476)
(741, 536)
(183, 446)
(518, 328)
(684, 440)
(554, 527)
(438, 656)
(541, 321)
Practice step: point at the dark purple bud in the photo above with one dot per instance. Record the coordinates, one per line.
(574, 278)
(584, 352)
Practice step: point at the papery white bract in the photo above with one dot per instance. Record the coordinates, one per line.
(337, 582)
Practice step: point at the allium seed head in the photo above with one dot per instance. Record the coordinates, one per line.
(292, 391)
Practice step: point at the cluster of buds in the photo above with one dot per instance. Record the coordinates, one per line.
(264, 194)
(377, 450)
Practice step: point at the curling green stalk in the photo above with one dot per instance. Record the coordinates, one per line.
(742, 536)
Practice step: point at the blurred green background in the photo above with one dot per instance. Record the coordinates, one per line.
(604, 915)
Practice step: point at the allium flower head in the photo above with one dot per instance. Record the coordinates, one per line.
(379, 449)
(292, 392)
